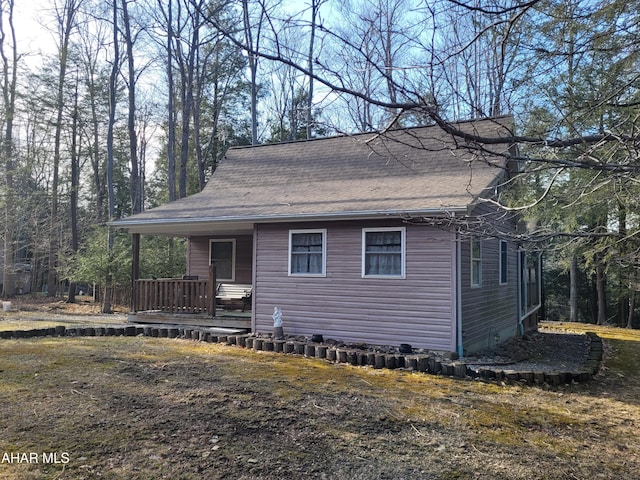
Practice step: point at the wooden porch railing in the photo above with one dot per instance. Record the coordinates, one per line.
(173, 295)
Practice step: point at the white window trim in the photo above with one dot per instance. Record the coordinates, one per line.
(322, 231)
(233, 256)
(471, 261)
(506, 280)
(403, 250)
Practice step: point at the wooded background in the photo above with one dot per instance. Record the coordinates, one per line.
(140, 99)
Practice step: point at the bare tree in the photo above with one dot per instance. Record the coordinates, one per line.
(315, 14)
(219, 86)
(9, 81)
(93, 44)
(285, 84)
(255, 16)
(65, 14)
(485, 55)
(129, 39)
(113, 86)
(186, 61)
(75, 184)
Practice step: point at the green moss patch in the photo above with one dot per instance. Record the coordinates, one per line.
(139, 408)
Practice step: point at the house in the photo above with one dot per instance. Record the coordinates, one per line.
(361, 238)
(19, 275)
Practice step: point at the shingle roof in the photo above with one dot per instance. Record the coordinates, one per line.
(418, 169)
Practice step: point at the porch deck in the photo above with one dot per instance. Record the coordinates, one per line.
(184, 301)
(223, 319)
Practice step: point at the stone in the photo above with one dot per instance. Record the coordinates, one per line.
(411, 363)
(460, 370)
(298, 348)
(390, 361)
(341, 356)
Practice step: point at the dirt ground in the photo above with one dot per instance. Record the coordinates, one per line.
(147, 408)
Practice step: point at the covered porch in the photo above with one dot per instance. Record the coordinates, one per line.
(184, 301)
(215, 291)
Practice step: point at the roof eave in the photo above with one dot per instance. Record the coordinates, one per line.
(186, 226)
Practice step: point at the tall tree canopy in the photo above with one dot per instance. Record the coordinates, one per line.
(192, 77)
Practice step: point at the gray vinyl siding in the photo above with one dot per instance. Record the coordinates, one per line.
(492, 308)
(198, 256)
(418, 309)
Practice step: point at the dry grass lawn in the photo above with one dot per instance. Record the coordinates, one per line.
(148, 408)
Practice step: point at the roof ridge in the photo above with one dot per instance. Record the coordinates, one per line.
(372, 133)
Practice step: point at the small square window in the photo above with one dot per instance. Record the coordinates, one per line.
(307, 252)
(383, 252)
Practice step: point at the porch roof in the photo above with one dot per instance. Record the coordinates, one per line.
(414, 171)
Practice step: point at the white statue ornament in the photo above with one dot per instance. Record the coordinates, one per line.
(277, 323)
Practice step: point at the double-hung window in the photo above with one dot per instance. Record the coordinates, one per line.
(504, 254)
(383, 252)
(307, 252)
(530, 282)
(222, 254)
(476, 262)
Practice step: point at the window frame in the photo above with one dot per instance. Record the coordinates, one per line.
(233, 257)
(524, 295)
(323, 232)
(403, 252)
(503, 262)
(475, 262)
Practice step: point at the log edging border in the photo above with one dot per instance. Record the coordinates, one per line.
(430, 363)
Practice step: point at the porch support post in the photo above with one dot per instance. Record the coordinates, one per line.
(212, 291)
(135, 269)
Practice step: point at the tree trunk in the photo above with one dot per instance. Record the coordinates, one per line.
(315, 4)
(601, 287)
(66, 22)
(253, 70)
(625, 271)
(106, 305)
(171, 127)
(188, 68)
(75, 186)
(633, 287)
(136, 197)
(9, 81)
(98, 172)
(573, 289)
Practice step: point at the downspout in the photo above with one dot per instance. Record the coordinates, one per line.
(459, 294)
(254, 277)
(520, 284)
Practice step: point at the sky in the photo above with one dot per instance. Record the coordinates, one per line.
(32, 37)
